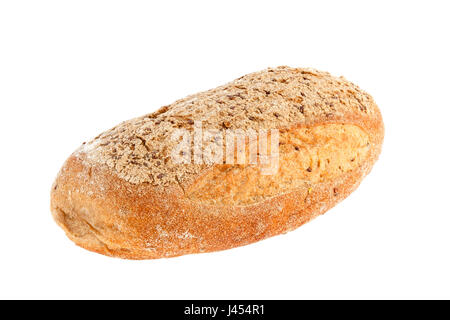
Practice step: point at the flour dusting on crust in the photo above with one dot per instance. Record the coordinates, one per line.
(139, 150)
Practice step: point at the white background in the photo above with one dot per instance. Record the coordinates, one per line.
(72, 69)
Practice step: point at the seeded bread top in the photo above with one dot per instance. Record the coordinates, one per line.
(139, 150)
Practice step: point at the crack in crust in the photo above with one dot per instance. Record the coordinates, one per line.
(307, 156)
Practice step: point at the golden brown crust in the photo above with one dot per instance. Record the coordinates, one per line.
(111, 206)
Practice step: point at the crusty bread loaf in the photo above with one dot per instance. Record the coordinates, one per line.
(124, 195)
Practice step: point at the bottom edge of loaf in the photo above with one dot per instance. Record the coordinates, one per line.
(87, 236)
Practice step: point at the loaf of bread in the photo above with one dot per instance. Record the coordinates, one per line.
(166, 184)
